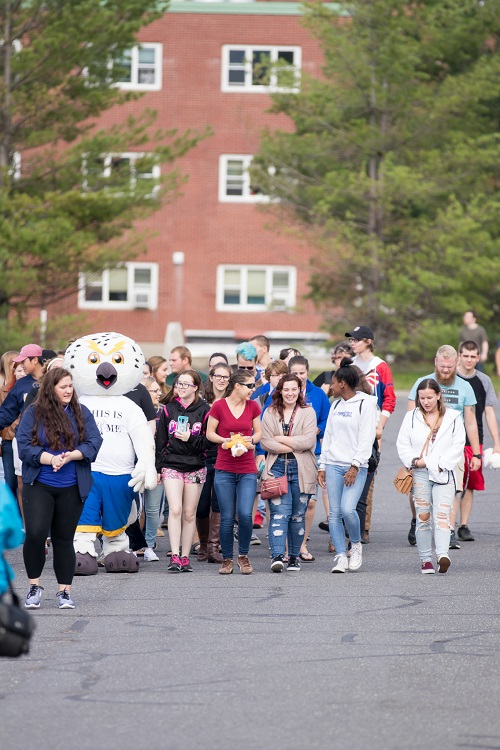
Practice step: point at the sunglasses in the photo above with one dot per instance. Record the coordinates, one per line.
(249, 385)
(246, 367)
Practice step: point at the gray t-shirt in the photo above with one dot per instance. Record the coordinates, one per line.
(477, 335)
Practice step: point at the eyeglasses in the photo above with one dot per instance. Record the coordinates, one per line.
(246, 367)
(221, 377)
(185, 385)
(249, 385)
(154, 390)
(355, 341)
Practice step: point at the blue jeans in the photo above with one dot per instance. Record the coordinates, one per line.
(152, 505)
(432, 505)
(287, 512)
(343, 501)
(8, 466)
(236, 493)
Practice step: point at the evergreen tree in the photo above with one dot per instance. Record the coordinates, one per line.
(392, 167)
(66, 204)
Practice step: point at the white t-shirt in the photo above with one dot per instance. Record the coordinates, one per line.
(116, 417)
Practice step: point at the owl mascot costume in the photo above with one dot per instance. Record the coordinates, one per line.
(104, 367)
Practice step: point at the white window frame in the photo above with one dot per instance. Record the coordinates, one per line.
(271, 300)
(132, 156)
(133, 289)
(247, 196)
(248, 87)
(134, 84)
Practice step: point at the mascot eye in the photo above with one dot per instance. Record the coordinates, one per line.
(118, 359)
(94, 359)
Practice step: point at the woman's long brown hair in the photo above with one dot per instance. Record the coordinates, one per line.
(51, 417)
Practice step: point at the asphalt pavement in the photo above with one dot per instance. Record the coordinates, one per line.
(383, 658)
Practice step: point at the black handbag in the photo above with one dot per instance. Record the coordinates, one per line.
(16, 625)
(374, 459)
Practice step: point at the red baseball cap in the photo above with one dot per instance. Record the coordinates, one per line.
(30, 350)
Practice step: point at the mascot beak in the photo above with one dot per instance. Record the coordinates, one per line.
(106, 375)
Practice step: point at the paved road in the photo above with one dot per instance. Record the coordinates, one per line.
(380, 659)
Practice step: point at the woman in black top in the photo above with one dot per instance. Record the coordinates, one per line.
(181, 447)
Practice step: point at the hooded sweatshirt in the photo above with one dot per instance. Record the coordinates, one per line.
(173, 453)
(350, 431)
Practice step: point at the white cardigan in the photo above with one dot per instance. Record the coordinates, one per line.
(442, 455)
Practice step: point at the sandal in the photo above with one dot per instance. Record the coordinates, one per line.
(307, 557)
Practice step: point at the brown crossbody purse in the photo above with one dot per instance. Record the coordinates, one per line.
(403, 481)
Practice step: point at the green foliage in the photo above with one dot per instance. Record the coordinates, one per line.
(72, 206)
(392, 167)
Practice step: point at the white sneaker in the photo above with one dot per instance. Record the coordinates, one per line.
(150, 555)
(340, 564)
(356, 558)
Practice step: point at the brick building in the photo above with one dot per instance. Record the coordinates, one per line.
(214, 273)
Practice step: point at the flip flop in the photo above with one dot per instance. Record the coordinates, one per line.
(305, 559)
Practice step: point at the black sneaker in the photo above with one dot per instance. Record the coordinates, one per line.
(277, 564)
(293, 563)
(464, 534)
(453, 541)
(412, 536)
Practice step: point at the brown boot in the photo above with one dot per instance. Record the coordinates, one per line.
(213, 553)
(202, 524)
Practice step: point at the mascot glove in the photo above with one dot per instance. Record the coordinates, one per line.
(491, 460)
(143, 478)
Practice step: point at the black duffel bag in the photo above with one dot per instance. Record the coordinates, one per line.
(16, 626)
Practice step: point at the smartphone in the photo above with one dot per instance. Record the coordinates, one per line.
(182, 424)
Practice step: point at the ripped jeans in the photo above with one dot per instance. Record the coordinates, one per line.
(287, 512)
(432, 505)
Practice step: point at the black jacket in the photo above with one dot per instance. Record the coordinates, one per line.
(176, 454)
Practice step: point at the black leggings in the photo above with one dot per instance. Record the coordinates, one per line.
(55, 512)
(208, 497)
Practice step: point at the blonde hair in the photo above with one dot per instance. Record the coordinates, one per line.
(447, 352)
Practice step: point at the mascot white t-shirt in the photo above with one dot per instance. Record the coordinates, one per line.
(116, 417)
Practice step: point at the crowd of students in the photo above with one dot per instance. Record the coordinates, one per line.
(218, 435)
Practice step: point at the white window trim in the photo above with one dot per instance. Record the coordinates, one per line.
(134, 85)
(291, 294)
(248, 88)
(247, 197)
(132, 290)
(133, 156)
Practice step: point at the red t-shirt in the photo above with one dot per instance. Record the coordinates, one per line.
(228, 424)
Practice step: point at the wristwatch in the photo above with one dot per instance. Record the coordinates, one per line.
(477, 455)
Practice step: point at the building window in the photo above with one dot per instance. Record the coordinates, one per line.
(260, 69)
(128, 171)
(258, 288)
(127, 287)
(140, 68)
(234, 180)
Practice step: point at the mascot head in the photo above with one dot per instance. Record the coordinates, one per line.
(104, 364)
